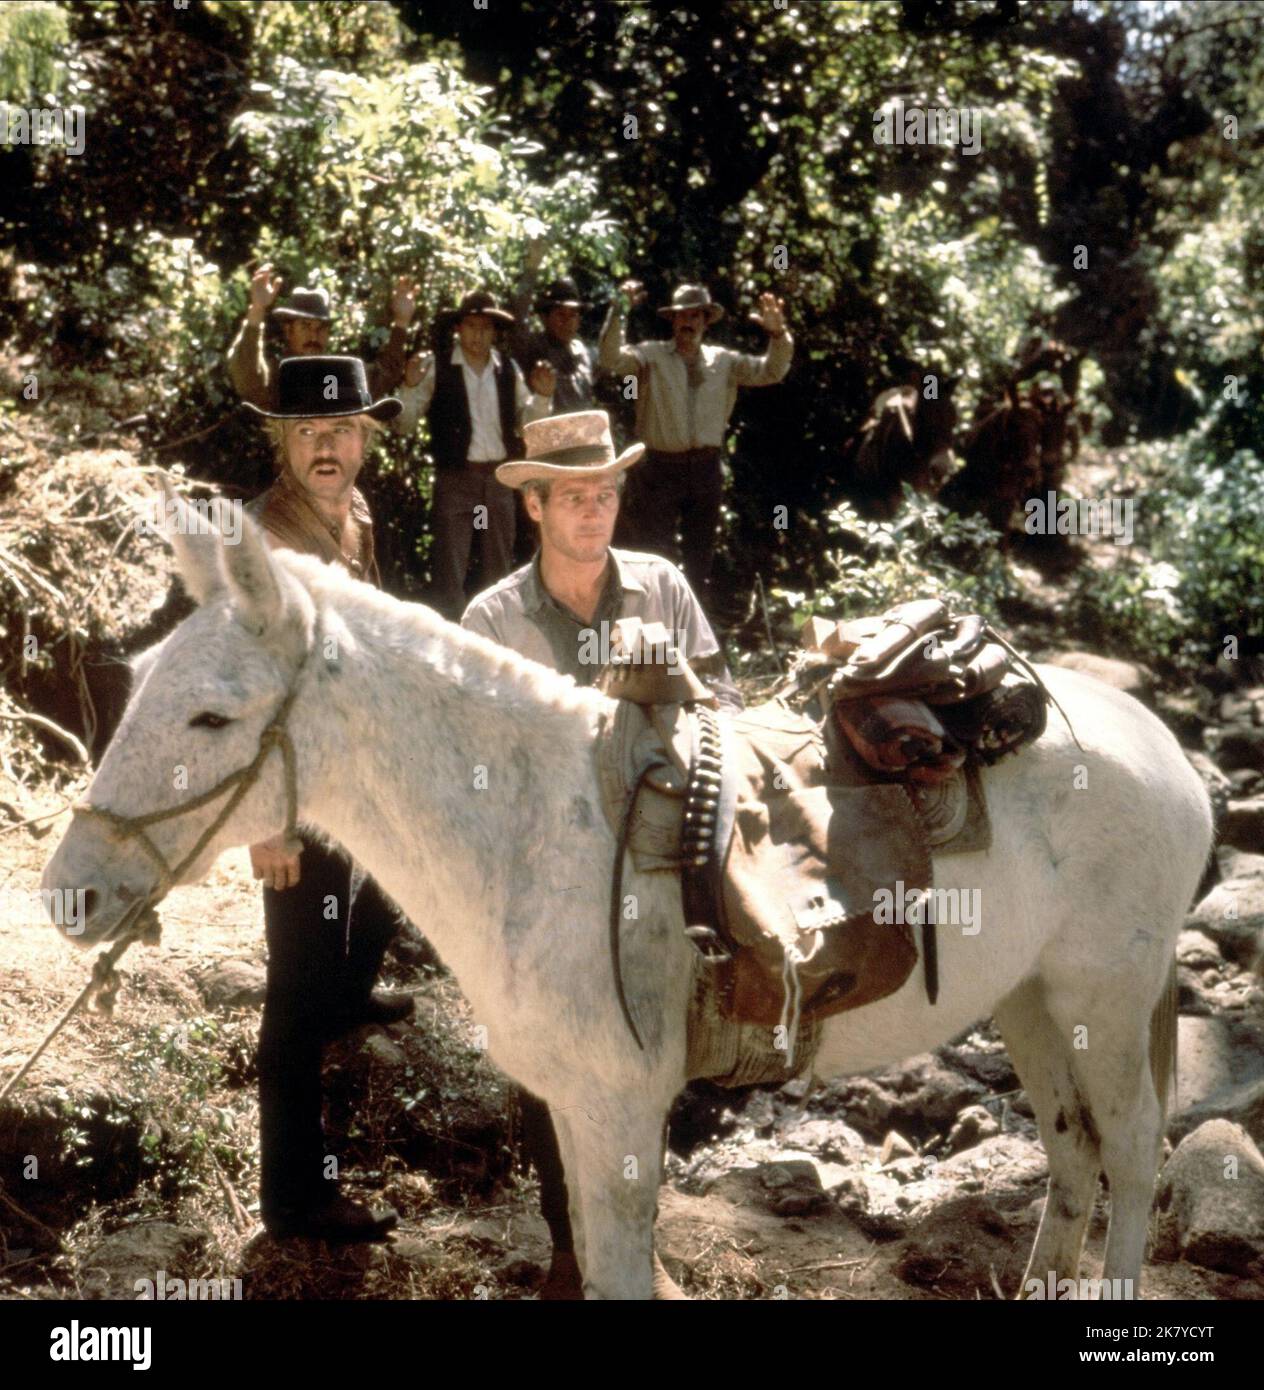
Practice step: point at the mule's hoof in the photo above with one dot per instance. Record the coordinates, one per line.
(665, 1287)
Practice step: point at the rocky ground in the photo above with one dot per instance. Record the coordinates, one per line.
(132, 1147)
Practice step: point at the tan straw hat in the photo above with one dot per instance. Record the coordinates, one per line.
(568, 446)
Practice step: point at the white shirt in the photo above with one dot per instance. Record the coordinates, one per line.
(487, 442)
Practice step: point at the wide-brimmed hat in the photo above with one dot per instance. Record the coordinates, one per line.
(305, 304)
(560, 294)
(693, 297)
(481, 302)
(309, 387)
(577, 445)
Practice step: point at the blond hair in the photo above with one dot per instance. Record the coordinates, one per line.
(276, 431)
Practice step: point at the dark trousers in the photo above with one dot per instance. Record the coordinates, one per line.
(324, 953)
(459, 494)
(539, 1140)
(667, 490)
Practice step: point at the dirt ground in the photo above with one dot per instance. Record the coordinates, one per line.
(460, 1236)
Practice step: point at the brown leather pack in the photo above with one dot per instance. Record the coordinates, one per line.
(810, 850)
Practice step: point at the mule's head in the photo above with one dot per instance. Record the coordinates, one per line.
(201, 701)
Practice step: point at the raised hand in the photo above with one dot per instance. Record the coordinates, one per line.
(265, 285)
(404, 301)
(542, 379)
(771, 315)
(633, 291)
(416, 368)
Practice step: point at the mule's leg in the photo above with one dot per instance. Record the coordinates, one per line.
(1042, 1057)
(613, 1158)
(1109, 1026)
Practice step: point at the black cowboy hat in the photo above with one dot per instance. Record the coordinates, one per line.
(560, 294)
(309, 387)
(305, 304)
(480, 302)
(692, 297)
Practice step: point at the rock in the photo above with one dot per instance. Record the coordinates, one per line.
(975, 1123)
(1232, 915)
(1185, 716)
(234, 984)
(1241, 1104)
(1234, 863)
(1244, 783)
(829, 1138)
(1220, 1074)
(113, 1268)
(1243, 825)
(1197, 950)
(792, 1188)
(1211, 1201)
(895, 1145)
(1004, 1160)
(1123, 675)
(921, 1099)
(984, 1059)
(1241, 746)
(1216, 783)
(382, 1051)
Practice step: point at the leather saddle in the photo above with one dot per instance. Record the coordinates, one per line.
(788, 826)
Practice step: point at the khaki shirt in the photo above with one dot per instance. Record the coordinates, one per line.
(671, 415)
(288, 514)
(253, 372)
(521, 614)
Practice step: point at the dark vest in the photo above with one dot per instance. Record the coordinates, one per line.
(449, 416)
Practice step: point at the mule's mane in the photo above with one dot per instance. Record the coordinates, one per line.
(467, 659)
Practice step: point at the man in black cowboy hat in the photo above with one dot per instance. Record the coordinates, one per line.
(476, 402)
(305, 319)
(327, 929)
(558, 347)
(685, 396)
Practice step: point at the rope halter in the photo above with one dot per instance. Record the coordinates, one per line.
(274, 735)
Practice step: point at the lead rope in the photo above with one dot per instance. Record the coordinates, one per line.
(141, 922)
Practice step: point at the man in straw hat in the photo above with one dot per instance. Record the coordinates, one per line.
(560, 610)
(305, 319)
(476, 403)
(684, 397)
(327, 928)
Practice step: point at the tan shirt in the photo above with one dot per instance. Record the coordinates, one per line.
(253, 371)
(521, 614)
(287, 513)
(671, 415)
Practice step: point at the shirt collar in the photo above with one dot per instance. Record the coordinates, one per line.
(458, 358)
(706, 353)
(534, 593)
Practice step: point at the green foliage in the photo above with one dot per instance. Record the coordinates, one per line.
(180, 1070)
(1200, 520)
(926, 552)
(32, 35)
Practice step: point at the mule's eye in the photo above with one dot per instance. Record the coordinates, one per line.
(208, 720)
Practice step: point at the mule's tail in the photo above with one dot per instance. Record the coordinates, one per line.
(1163, 1036)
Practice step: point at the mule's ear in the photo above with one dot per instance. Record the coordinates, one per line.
(253, 580)
(196, 545)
